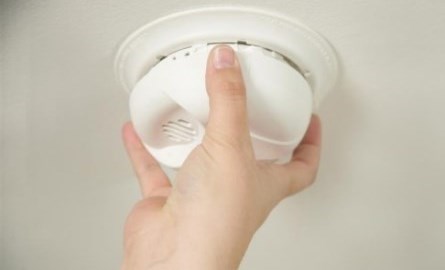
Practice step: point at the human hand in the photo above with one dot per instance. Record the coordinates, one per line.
(222, 194)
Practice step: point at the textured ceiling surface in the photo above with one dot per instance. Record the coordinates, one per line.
(66, 185)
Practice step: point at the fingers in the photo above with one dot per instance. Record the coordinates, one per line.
(150, 175)
(311, 141)
(227, 94)
(301, 171)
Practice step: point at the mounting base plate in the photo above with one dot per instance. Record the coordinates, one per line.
(302, 47)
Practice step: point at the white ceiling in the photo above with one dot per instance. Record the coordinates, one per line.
(66, 184)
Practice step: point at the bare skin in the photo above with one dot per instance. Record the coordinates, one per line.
(222, 194)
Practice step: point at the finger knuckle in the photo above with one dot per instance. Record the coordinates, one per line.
(311, 180)
(227, 142)
(297, 185)
(234, 88)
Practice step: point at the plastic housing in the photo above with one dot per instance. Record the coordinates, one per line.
(288, 69)
(169, 106)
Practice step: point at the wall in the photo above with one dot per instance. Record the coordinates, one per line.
(1, 130)
(67, 186)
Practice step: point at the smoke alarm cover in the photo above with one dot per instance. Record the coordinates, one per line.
(287, 69)
(169, 106)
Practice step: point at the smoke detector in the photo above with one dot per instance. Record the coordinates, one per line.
(288, 69)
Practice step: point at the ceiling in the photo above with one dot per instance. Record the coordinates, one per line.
(66, 185)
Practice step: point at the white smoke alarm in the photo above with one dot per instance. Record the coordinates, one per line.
(287, 70)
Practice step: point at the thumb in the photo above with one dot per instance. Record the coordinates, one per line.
(227, 95)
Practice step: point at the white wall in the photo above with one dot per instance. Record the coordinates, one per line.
(66, 185)
(1, 130)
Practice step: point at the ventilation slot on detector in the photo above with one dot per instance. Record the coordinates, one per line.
(180, 131)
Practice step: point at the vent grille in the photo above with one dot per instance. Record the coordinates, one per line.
(179, 131)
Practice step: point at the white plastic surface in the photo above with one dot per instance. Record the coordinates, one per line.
(302, 47)
(288, 69)
(169, 106)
